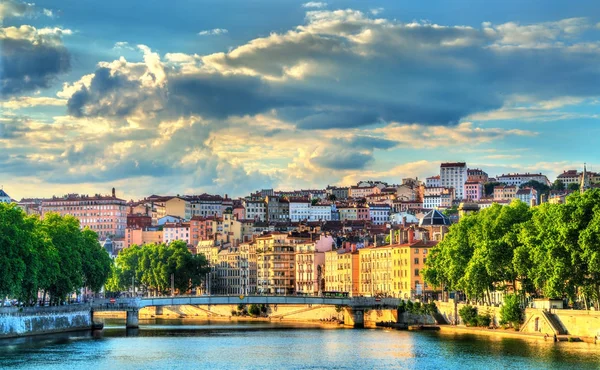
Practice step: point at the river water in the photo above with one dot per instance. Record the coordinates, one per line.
(183, 344)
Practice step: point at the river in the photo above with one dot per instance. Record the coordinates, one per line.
(182, 344)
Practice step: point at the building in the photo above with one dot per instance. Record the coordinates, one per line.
(342, 271)
(177, 231)
(299, 209)
(142, 236)
(520, 178)
(454, 175)
(278, 208)
(31, 206)
(320, 212)
(204, 205)
(527, 196)
(379, 213)
(477, 175)
(104, 214)
(276, 267)
(432, 201)
(201, 228)
(505, 192)
(375, 271)
(358, 192)
(256, 210)
(570, 177)
(339, 193)
(310, 265)
(4, 198)
(138, 221)
(473, 190)
(433, 181)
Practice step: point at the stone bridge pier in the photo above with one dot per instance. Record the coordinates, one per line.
(354, 317)
(133, 319)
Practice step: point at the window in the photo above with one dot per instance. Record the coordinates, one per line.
(416, 261)
(417, 272)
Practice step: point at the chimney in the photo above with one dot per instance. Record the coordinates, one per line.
(411, 236)
(113, 192)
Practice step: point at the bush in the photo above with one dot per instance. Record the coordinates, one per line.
(431, 308)
(263, 308)
(241, 307)
(409, 306)
(254, 310)
(401, 308)
(484, 320)
(234, 313)
(417, 308)
(511, 311)
(468, 314)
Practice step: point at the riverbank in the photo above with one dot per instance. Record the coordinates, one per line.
(511, 333)
(18, 322)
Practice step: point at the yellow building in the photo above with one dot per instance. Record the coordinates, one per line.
(342, 272)
(176, 207)
(248, 262)
(375, 271)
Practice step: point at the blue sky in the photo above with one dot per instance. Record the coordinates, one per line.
(232, 96)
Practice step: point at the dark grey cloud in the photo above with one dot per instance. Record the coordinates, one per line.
(26, 65)
(369, 143)
(12, 129)
(342, 160)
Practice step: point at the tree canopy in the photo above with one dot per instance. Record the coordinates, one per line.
(151, 266)
(52, 255)
(552, 250)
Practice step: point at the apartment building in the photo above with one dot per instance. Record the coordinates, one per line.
(517, 179)
(454, 175)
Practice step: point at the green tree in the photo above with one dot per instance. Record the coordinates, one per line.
(488, 187)
(573, 187)
(468, 315)
(511, 311)
(558, 185)
(254, 310)
(96, 263)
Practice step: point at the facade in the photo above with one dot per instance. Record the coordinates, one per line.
(319, 212)
(477, 175)
(278, 208)
(569, 177)
(299, 209)
(4, 198)
(177, 231)
(340, 193)
(358, 192)
(379, 213)
(505, 193)
(433, 181)
(454, 175)
(376, 271)
(342, 271)
(106, 215)
(310, 267)
(31, 206)
(142, 236)
(204, 205)
(520, 178)
(432, 201)
(178, 207)
(527, 196)
(473, 190)
(256, 210)
(201, 228)
(275, 258)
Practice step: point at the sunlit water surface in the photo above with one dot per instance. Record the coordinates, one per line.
(182, 344)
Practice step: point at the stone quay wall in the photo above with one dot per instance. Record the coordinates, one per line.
(20, 322)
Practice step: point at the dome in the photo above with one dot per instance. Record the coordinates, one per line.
(434, 218)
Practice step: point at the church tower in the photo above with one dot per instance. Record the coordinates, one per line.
(585, 180)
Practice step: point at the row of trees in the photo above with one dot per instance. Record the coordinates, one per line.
(52, 255)
(151, 266)
(552, 250)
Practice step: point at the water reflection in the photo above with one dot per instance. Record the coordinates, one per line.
(186, 344)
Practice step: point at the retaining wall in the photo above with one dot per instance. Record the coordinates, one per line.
(17, 322)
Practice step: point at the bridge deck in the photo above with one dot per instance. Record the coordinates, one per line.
(127, 304)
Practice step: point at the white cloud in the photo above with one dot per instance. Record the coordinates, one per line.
(123, 45)
(29, 101)
(213, 32)
(314, 4)
(376, 11)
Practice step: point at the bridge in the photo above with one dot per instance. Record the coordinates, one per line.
(354, 307)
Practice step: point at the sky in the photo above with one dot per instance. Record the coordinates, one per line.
(231, 96)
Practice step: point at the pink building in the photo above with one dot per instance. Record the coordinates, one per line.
(473, 190)
(201, 229)
(104, 214)
(140, 236)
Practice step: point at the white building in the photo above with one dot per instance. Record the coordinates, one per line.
(4, 198)
(432, 201)
(320, 212)
(433, 181)
(520, 178)
(379, 213)
(527, 196)
(299, 209)
(176, 231)
(454, 175)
